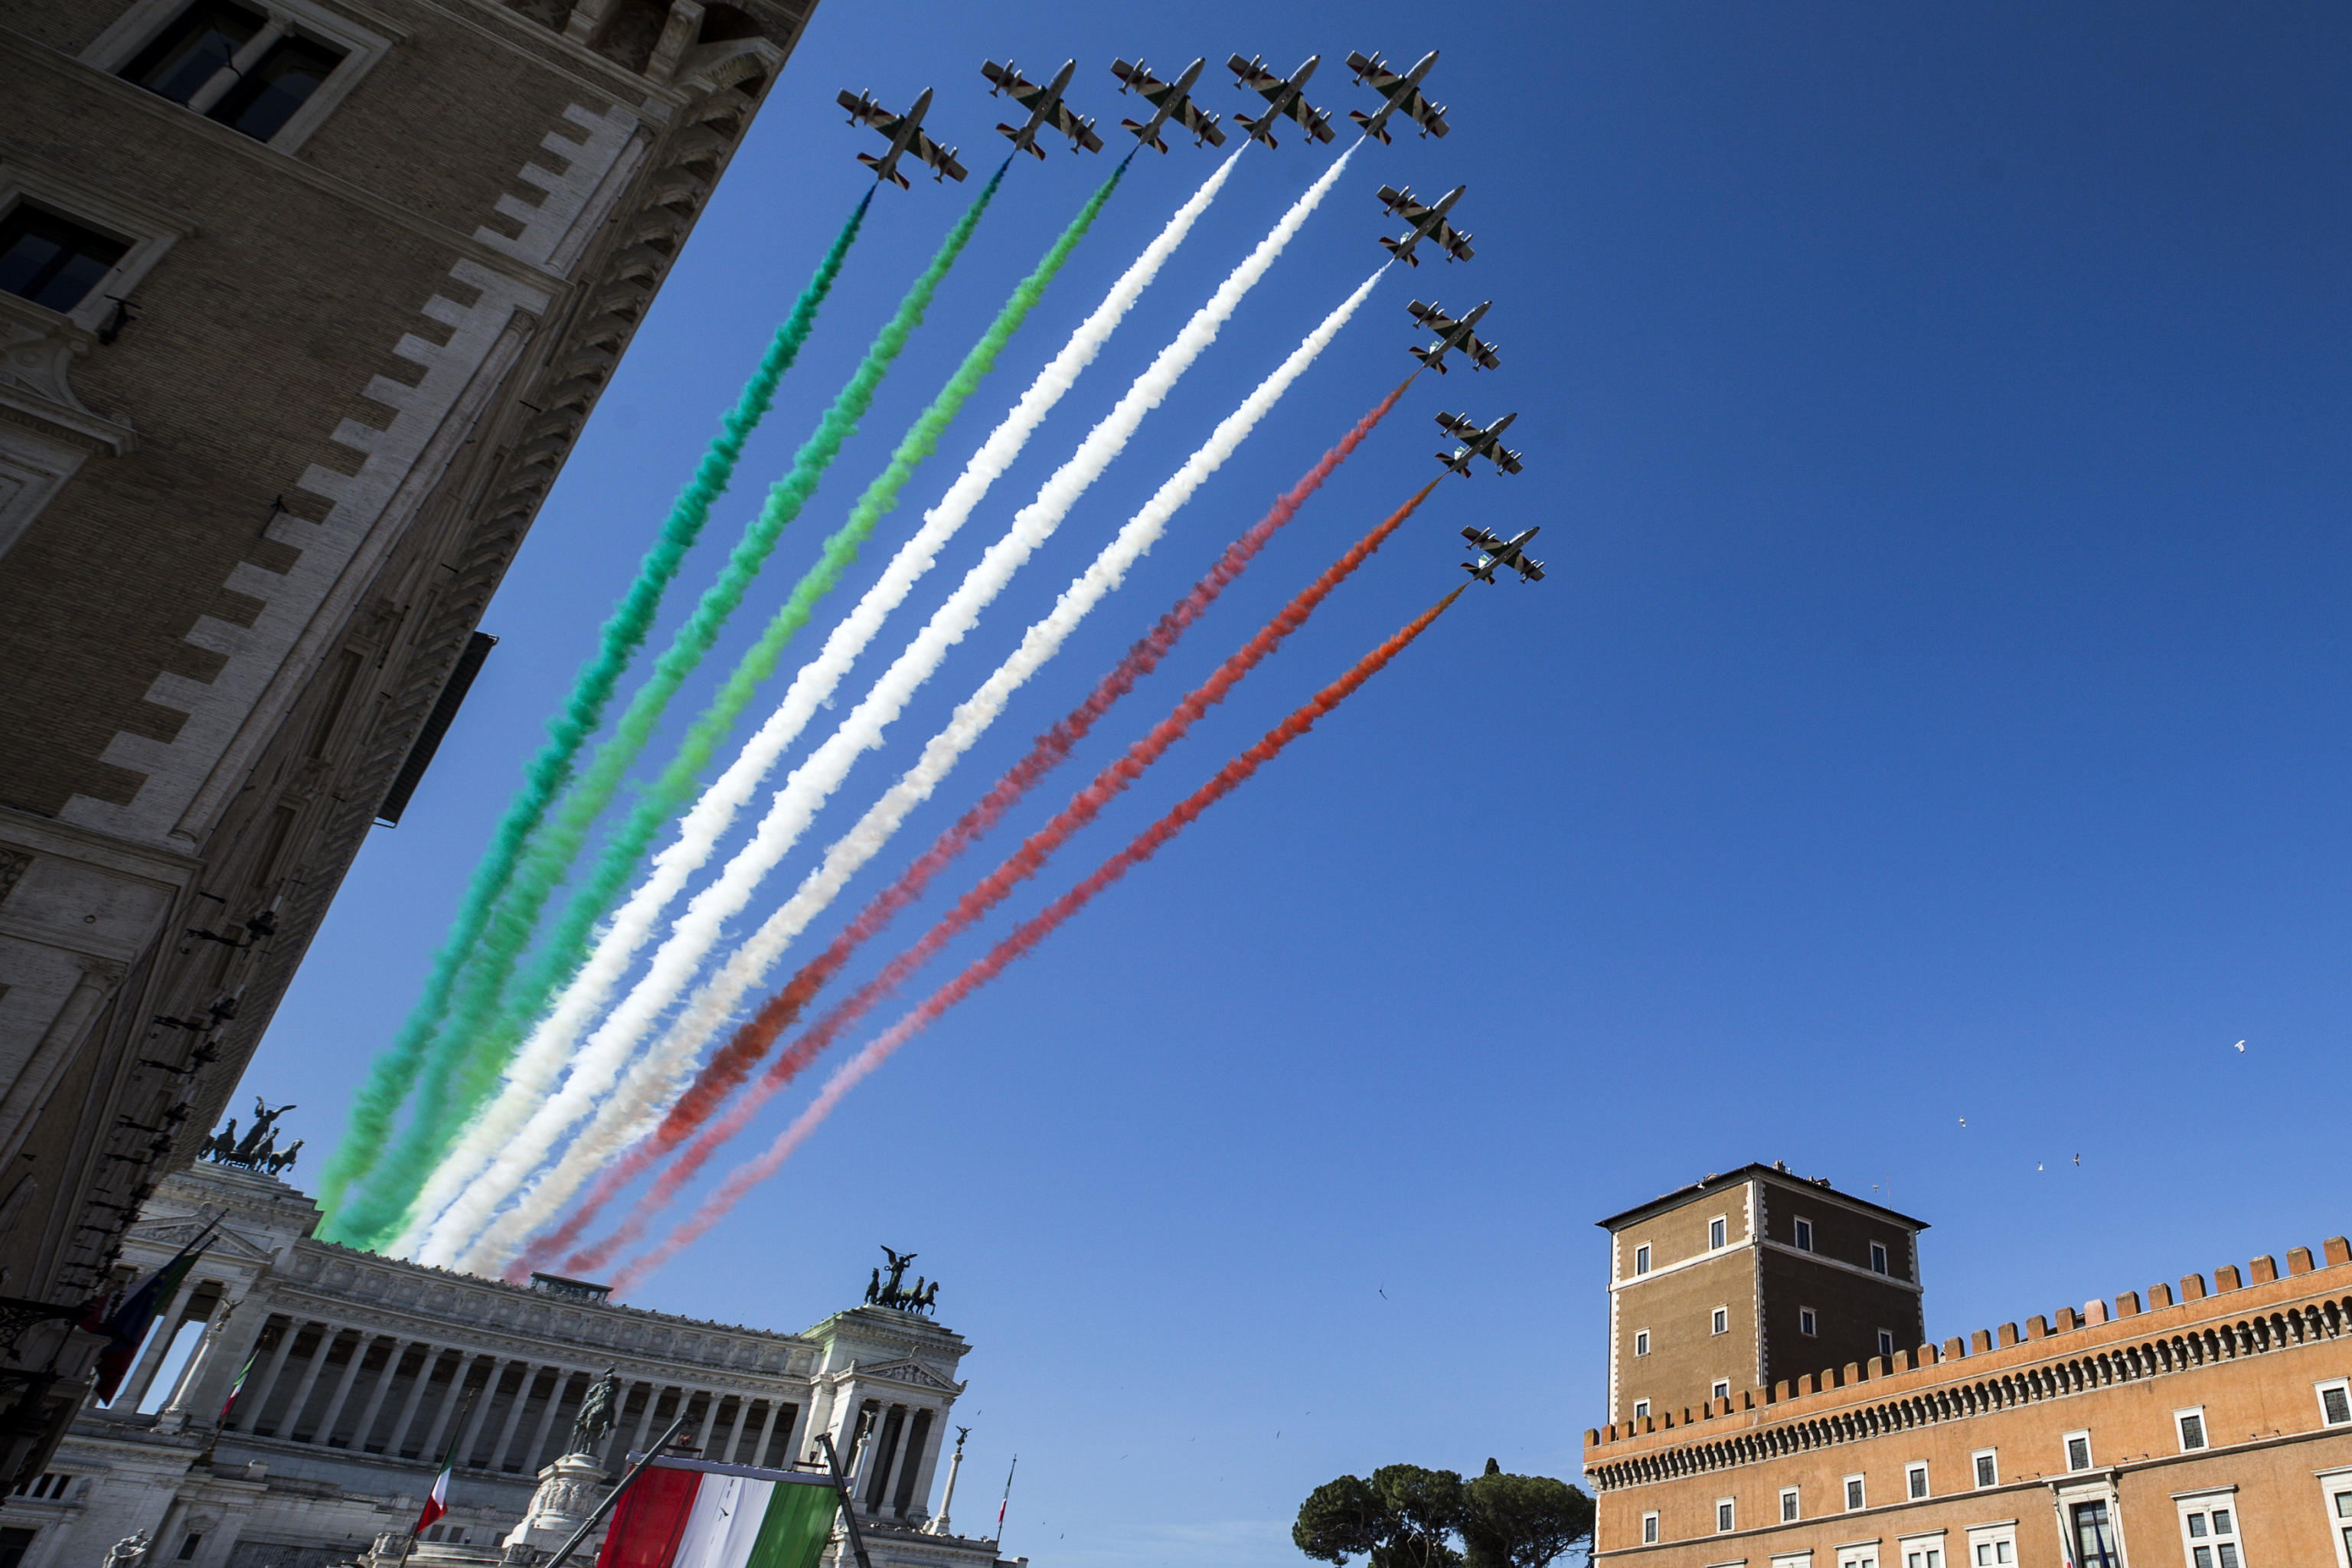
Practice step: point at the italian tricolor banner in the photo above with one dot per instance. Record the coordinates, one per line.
(686, 1513)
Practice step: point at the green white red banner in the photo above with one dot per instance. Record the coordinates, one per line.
(689, 1513)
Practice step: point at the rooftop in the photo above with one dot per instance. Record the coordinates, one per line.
(1716, 1181)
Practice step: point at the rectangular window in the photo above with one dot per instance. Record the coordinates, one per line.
(266, 97)
(1722, 1388)
(1722, 1515)
(1877, 1258)
(1722, 1320)
(1988, 1473)
(188, 1546)
(2336, 1403)
(234, 65)
(2078, 1450)
(2210, 1535)
(1804, 1236)
(1715, 1233)
(1887, 1344)
(14, 1542)
(185, 57)
(1788, 1505)
(1994, 1551)
(1642, 1259)
(2191, 1424)
(1862, 1556)
(1641, 1409)
(1649, 1529)
(1806, 1323)
(1853, 1493)
(1914, 1479)
(52, 259)
(1641, 1342)
(1922, 1556)
(2095, 1537)
(2339, 1510)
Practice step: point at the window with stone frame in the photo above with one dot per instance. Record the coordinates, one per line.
(2076, 1446)
(1649, 1529)
(2189, 1426)
(1722, 1389)
(2335, 1404)
(1993, 1546)
(1723, 1516)
(54, 261)
(1641, 1342)
(269, 69)
(1879, 1257)
(1718, 1232)
(2337, 1489)
(1804, 1236)
(1807, 1324)
(2209, 1532)
(1914, 1479)
(1986, 1462)
(1856, 1494)
(15, 1540)
(1790, 1505)
(1642, 1259)
(1720, 1320)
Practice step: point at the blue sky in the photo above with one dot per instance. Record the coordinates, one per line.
(1935, 708)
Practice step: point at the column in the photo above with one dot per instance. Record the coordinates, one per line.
(361, 1344)
(328, 1334)
(886, 1454)
(229, 1350)
(256, 1398)
(513, 1418)
(167, 1328)
(451, 1403)
(645, 1421)
(531, 1455)
(482, 1403)
(767, 1432)
(384, 1382)
(726, 1455)
(175, 1414)
(922, 1462)
(702, 1429)
(395, 1439)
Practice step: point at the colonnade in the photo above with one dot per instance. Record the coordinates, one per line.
(902, 1446)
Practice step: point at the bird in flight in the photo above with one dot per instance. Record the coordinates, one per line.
(1964, 1121)
(2242, 1047)
(2078, 1160)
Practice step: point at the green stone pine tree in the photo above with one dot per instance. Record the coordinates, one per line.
(1408, 1517)
(1522, 1521)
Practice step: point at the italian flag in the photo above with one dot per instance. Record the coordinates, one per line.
(687, 1513)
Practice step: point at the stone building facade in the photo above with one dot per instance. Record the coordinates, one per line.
(2199, 1426)
(302, 304)
(360, 1371)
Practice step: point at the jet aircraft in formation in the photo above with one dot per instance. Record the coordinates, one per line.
(1477, 443)
(1047, 109)
(1401, 92)
(1170, 101)
(1494, 551)
(1428, 223)
(1453, 334)
(1282, 95)
(906, 134)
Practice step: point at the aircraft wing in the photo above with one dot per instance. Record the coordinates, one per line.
(1370, 72)
(1024, 91)
(1317, 123)
(1458, 425)
(1070, 125)
(1531, 570)
(1456, 242)
(936, 156)
(1509, 462)
(1412, 209)
(1200, 124)
(1429, 116)
(1153, 90)
(1480, 539)
(874, 114)
(1254, 75)
(1485, 355)
(1434, 316)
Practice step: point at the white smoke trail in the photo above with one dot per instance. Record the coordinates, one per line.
(655, 1081)
(599, 1064)
(545, 1054)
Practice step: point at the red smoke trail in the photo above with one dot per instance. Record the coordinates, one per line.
(733, 1062)
(994, 887)
(1024, 940)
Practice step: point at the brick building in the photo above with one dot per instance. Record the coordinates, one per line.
(2203, 1426)
(302, 303)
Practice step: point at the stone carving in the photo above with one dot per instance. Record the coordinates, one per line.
(127, 1553)
(894, 1293)
(37, 348)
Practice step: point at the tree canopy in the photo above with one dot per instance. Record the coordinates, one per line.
(1408, 1517)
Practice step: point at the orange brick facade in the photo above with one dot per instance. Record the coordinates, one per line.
(2206, 1428)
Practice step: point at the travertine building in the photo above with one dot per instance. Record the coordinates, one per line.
(2202, 1428)
(302, 303)
(362, 1368)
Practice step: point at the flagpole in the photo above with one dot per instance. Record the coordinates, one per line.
(848, 1503)
(597, 1518)
(1008, 1500)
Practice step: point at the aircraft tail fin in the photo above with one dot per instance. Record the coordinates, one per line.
(1394, 249)
(871, 162)
(1422, 355)
(1137, 127)
(1257, 128)
(1364, 123)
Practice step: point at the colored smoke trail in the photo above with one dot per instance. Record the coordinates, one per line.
(550, 851)
(527, 1081)
(394, 1073)
(733, 1062)
(654, 1080)
(1019, 867)
(1023, 940)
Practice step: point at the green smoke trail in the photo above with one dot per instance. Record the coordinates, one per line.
(567, 942)
(372, 1217)
(394, 1072)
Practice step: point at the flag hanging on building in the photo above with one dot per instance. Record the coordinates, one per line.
(126, 1317)
(689, 1513)
(235, 1388)
(437, 1501)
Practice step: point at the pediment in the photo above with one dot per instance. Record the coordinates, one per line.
(177, 1232)
(913, 1373)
